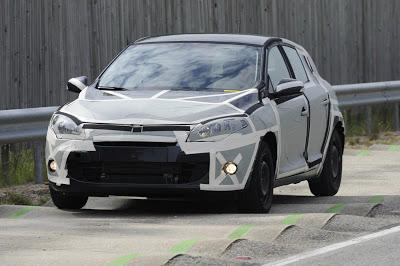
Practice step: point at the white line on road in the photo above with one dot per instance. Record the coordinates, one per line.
(333, 247)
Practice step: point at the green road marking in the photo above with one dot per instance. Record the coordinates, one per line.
(123, 260)
(182, 247)
(336, 208)
(363, 153)
(394, 148)
(376, 199)
(292, 219)
(241, 231)
(22, 211)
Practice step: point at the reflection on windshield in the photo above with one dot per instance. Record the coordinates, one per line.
(193, 66)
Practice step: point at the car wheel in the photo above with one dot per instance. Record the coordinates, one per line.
(64, 201)
(258, 196)
(328, 182)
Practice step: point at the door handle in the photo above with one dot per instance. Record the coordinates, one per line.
(304, 112)
(325, 102)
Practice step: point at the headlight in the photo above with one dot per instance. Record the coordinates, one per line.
(218, 129)
(65, 128)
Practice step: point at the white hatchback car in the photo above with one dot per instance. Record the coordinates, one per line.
(188, 113)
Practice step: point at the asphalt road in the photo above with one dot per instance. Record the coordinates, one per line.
(129, 231)
(377, 249)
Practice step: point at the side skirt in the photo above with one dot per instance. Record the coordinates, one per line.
(311, 174)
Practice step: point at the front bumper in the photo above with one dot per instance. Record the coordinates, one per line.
(138, 163)
(121, 189)
(138, 168)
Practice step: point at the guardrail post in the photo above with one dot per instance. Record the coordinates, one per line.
(39, 162)
(368, 120)
(5, 163)
(396, 116)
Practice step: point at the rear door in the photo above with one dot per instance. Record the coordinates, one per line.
(293, 120)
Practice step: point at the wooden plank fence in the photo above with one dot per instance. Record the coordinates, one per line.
(45, 42)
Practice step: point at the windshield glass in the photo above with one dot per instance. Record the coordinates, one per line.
(186, 66)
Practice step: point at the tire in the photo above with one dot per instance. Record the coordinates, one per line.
(328, 182)
(65, 201)
(257, 198)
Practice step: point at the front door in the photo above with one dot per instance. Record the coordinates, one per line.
(293, 117)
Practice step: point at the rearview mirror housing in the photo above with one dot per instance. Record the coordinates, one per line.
(288, 87)
(77, 84)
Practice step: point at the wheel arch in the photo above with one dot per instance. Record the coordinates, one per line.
(271, 140)
(339, 127)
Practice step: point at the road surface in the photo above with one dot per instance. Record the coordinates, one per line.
(130, 231)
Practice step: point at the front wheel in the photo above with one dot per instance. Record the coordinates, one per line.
(328, 182)
(258, 197)
(65, 201)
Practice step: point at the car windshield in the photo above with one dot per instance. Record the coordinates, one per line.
(186, 66)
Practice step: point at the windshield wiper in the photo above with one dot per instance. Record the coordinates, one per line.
(111, 88)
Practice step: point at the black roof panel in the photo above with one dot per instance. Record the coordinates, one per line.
(223, 38)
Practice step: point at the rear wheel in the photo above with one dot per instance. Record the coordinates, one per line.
(65, 201)
(258, 197)
(328, 182)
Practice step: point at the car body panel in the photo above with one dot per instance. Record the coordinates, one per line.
(166, 116)
(294, 132)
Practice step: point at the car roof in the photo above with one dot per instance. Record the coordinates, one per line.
(218, 38)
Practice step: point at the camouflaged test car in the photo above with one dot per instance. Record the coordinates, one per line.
(198, 112)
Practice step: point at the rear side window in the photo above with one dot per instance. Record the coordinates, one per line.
(277, 69)
(296, 64)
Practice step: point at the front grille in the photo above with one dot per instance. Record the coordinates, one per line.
(136, 144)
(164, 164)
(137, 173)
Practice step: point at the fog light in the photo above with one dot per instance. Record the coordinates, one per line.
(230, 168)
(52, 165)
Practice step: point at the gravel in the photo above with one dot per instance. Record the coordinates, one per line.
(185, 260)
(26, 194)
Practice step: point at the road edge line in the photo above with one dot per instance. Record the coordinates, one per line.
(327, 249)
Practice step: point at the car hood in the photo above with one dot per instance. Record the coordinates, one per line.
(144, 107)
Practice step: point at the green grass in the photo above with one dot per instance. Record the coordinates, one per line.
(18, 168)
(382, 120)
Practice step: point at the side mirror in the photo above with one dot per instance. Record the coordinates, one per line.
(77, 84)
(289, 87)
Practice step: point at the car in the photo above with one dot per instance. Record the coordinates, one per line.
(198, 114)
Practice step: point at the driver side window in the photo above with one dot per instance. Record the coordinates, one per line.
(277, 69)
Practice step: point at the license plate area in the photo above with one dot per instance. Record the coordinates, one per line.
(133, 154)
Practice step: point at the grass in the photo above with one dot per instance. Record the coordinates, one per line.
(15, 199)
(18, 168)
(382, 120)
(382, 126)
(43, 200)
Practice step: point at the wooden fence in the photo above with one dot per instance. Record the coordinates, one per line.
(45, 42)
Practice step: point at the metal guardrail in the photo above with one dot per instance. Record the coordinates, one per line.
(27, 125)
(31, 124)
(367, 94)
(24, 124)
